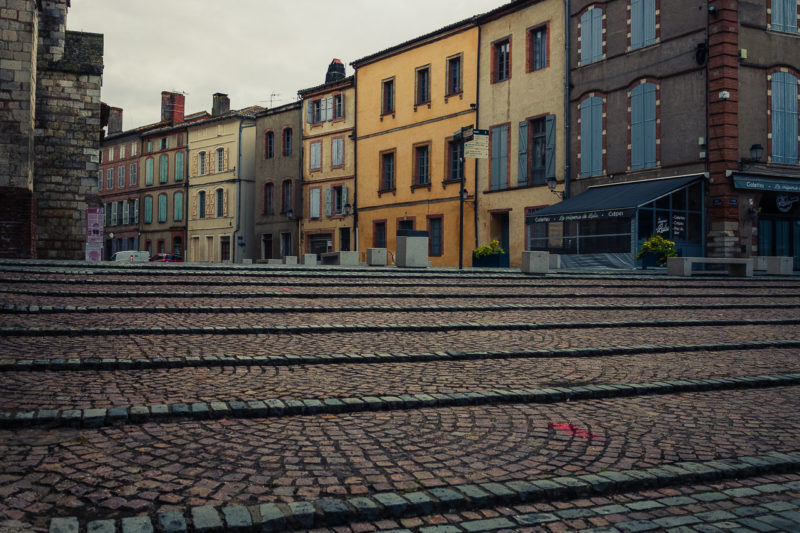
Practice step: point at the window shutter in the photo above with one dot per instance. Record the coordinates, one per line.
(587, 137)
(209, 167)
(637, 23)
(193, 170)
(597, 136)
(113, 213)
(329, 107)
(522, 166)
(550, 147)
(649, 114)
(210, 204)
(225, 202)
(225, 159)
(328, 202)
(637, 128)
(310, 112)
(136, 211)
(323, 109)
(344, 196)
(649, 22)
(125, 214)
(212, 165)
(194, 206)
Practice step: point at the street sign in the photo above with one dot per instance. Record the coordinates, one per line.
(478, 147)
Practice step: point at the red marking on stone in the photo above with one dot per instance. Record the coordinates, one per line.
(287, 289)
(575, 430)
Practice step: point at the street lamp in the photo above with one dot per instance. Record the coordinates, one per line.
(347, 209)
(290, 213)
(462, 136)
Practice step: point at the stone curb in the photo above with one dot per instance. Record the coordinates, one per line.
(373, 328)
(53, 309)
(274, 407)
(115, 363)
(334, 512)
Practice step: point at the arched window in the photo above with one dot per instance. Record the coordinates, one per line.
(179, 166)
(220, 203)
(201, 204)
(177, 207)
(162, 207)
(163, 169)
(269, 194)
(220, 160)
(201, 163)
(287, 141)
(286, 196)
(148, 209)
(269, 145)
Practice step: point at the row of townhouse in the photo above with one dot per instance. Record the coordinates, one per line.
(608, 122)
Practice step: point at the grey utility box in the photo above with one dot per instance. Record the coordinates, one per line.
(376, 256)
(412, 248)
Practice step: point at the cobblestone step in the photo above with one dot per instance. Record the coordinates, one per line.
(114, 363)
(331, 512)
(352, 328)
(274, 408)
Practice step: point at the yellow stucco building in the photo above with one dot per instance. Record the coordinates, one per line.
(411, 99)
(521, 80)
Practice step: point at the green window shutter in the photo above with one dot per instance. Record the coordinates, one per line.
(148, 209)
(310, 112)
(550, 147)
(522, 166)
(344, 195)
(148, 172)
(328, 202)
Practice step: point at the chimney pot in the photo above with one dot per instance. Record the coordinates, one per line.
(114, 120)
(220, 105)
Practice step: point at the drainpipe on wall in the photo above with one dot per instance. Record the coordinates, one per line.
(235, 243)
(186, 199)
(477, 126)
(567, 119)
(354, 136)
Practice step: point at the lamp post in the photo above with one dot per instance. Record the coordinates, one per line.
(462, 136)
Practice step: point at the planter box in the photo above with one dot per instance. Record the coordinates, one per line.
(490, 261)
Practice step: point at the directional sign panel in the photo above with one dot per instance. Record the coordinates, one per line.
(478, 147)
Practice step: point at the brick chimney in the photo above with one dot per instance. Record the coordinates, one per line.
(172, 107)
(114, 120)
(221, 104)
(335, 71)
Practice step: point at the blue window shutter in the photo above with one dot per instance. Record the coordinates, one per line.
(550, 147)
(597, 135)
(310, 112)
(587, 138)
(587, 37)
(637, 23)
(495, 170)
(648, 22)
(784, 118)
(328, 202)
(637, 127)
(522, 168)
(597, 34)
(649, 125)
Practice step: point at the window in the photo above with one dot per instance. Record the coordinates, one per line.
(642, 23)
(177, 206)
(120, 212)
(387, 97)
(316, 111)
(121, 177)
(784, 118)
(537, 148)
(643, 126)
(387, 172)
(287, 141)
(113, 219)
(134, 174)
(784, 15)
(501, 60)
(499, 157)
(379, 234)
(269, 145)
(338, 106)
(148, 172)
(315, 162)
(162, 207)
(269, 194)
(220, 160)
(201, 164)
(179, 166)
(149, 147)
(314, 203)
(335, 200)
(122, 152)
(163, 169)
(423, 92)
(177, 246)
(337, 152)
(435, 243)
(454, 75)
(100, 179)
(164, 143)
(179, 140)
(286, 196)
(110, 178)
(201, 204)
(111, 154)
(134, 149)
(591, 132)
(133, 215)
(220, 203)
(455, 165)
(590, 44)
(538, 46)
(422, 165)
(126, 215)
(148, 209)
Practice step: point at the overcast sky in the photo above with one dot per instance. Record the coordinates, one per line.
(249, 49)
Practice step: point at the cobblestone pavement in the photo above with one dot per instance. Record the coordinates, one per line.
(431, 402)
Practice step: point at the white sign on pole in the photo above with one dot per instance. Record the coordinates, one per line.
(478, 147)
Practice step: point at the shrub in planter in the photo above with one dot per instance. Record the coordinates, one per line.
(490, 255)
(657, 248)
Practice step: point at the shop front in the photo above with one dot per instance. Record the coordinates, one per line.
(606, 225)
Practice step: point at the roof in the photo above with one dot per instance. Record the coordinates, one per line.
(280, 109)
(620, 199)
(343, 81)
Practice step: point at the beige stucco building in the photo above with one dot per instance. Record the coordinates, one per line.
(221, 182)
(521, 104)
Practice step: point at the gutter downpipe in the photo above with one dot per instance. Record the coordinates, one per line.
(567, 119)
(354, 137)
(477, 114)
(235, 244)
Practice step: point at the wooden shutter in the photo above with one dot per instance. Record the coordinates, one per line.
(329, 107)
(344, 195)
(194, 205)
(193, 163)
(550, 147)
(210, 199)
(648, 22)
(136, 211)
(637, 23)
(225, 159)
(649, 116)
(225, 201)
(328, 201)
(522, 165)
(126, 217)
(637, 127)
(309, 112)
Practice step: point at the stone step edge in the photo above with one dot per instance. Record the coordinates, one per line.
(276, 408)
(12, 309)
(115, 363)
(342, 295)
(376, 328)
(332, 512)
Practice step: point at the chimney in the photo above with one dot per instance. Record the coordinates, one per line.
(114, 120)
(335, 71)
(221, 104)
(172, 107)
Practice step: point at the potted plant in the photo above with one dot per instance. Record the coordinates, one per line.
(490, 255)
(655, 251)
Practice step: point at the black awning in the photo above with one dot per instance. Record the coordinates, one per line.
(612, 201)
(757, 182)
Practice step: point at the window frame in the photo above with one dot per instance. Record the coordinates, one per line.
(220, 153)
(148, 209)
(793, 25)
(531, 52)
(201, 163)
(597, 55)
(384, 156)
(422, 164)
(431, 241)
(502, 181)
(585, 135)
(636, 149)
(287, 140)
(334, 141)
(162, 213)
(501, 70)
(179, 169)
(375, 225)
(286, 197)
(781, 125)
(201, 204)
(133, 173)
(268, 207)
(315, 193)
(454, 148)
(642, 27)
(269, 144)
(422, 85)
(163, 169)
(312, 147)
(177, 208)
(388, 104)
(110, 178)
(219, 199)
(450, 90)
(338, 106)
